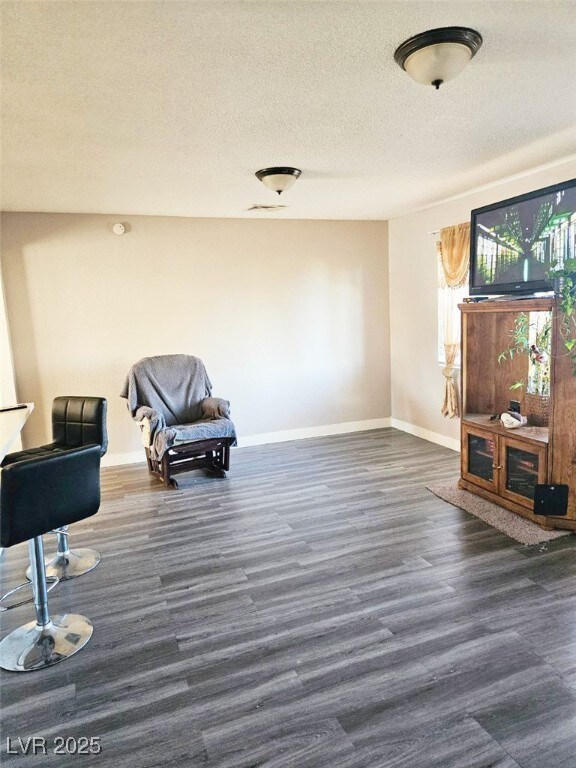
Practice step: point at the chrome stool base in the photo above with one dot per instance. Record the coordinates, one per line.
(34, 646)
(73, 563)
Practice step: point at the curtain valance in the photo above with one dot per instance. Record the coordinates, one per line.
(454, 252)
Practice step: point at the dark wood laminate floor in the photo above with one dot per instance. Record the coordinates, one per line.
(317, 608)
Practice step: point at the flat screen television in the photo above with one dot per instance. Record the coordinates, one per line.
(514, 243)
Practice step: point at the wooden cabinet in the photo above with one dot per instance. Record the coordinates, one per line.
(504, 465)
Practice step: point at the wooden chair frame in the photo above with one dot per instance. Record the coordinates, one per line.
(212, 454)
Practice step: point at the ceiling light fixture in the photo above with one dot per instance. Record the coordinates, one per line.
(278, 179)
(438, 55)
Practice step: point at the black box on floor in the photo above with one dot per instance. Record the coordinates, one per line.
(551, 500)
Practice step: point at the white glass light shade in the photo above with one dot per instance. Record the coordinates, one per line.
(279, 178)
(437, 63)
(279, 182)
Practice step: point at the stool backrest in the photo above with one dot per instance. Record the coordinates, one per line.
(40, 494)
(80, 421)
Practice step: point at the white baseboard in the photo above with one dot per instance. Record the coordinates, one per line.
(426, 434)
(115, 459)
(305, 432)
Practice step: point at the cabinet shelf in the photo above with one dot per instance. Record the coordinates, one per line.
(483, 420)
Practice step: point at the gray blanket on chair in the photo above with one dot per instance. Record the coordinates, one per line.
(174, 393)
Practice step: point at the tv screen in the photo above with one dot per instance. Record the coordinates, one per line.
(514, 243)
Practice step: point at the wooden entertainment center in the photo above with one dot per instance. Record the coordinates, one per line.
(504, 465)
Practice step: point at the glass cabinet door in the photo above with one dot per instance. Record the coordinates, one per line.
(479, 458)
(523, 466)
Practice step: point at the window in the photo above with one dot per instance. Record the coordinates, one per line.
(448, 300)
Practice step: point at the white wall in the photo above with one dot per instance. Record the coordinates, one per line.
(7, 390)
(290, 317)
(417, 382)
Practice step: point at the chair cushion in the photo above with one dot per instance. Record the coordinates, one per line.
(32, 453)
(179, 434)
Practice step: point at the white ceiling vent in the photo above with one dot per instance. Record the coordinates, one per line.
(266, 208)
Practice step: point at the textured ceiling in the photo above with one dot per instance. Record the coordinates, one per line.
(170, 107)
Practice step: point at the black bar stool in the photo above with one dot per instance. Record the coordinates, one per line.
(36, 496)
(76, 421)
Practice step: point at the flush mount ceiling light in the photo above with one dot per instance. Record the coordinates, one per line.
(438, 55)
(278, 179)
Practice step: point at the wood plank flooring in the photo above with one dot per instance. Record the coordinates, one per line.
(319, 607)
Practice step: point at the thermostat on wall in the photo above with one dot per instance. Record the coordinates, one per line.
(118, 229)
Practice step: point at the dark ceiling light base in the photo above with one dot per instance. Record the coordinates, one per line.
(279, 178)
(453, 49)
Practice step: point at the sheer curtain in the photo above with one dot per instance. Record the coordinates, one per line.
(454, 254)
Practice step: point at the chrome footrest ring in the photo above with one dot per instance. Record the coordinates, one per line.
(51, 581)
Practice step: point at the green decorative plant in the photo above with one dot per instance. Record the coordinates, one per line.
(534, 340)
(564, 281)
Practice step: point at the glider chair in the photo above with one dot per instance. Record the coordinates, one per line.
(76, 421)
(182, 426)
(39, 494)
